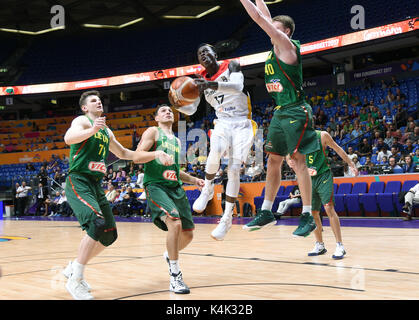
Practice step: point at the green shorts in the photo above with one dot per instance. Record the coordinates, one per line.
(322, 190)
(291, 130)
(91, 208)
(169, 202)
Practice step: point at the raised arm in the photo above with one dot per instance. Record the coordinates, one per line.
(329, 142)
(284, 48)
(81, 129)
(187, 178)
(263, 8)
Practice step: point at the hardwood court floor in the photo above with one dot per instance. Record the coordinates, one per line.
(381, 263)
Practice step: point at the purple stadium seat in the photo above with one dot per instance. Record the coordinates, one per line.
(343, 190)
(386, 200)
(352, 200)
(259, 200)
(369, 200)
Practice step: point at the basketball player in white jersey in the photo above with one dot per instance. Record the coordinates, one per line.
(222, 85)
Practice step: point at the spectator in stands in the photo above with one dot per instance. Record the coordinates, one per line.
(322, 118)
(388, 140)
(254, 171)
(128, 183)
(384, 152)
(401, 117)
(395, 153)
(383, 85)
(356, 162)
(409, 166)
(393, 167)
(14, 195)
(356, 132)
(388, 118)
(30, 167)
(43, 176)
(140, 177)
(416, 157)
(394, 82)
(53, 204)
(364, 149)
(111, 175)
(244, 177)
(351, 153)
(347, 172)
(128, 204)
(380, 145)
(41, 197)
(112, 193)
(363, 116)
(22, 199)
(409, 148)
(383, 161)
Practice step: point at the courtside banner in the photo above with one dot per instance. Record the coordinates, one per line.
(308, 48)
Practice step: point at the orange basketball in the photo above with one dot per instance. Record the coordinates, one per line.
(183, 91)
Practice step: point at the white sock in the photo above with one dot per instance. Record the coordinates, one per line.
(174, 266)
(209, 184)
(267, 205)
(307, 209)
(78, 270)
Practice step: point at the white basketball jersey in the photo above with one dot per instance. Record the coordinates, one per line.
(227, 105)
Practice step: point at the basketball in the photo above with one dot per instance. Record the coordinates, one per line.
(183, 91)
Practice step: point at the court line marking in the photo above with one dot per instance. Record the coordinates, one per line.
(246, 284)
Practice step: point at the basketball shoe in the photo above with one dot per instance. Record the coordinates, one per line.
(407, 210)
(177, 285)
(223, 227)
(318, 250)
(263, 218)
(207, 193)
(77, 290)
(69, 270)
(306, 225)
(339, 252)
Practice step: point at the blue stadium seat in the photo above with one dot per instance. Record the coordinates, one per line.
(281, 197)
(387, 200)
(343, 190)
(369, 200)
(352, 200)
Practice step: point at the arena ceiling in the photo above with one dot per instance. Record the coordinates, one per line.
(34, 17)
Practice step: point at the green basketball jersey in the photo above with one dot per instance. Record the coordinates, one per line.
(284, 82)
(88, 157)
(157, 173)
(317, 161)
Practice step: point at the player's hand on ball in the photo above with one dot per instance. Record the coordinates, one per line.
(202, 84)
(164, 158)
(199, 183)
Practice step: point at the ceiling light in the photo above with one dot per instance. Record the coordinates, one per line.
(107, 26)
(194, 17)
(32, 33)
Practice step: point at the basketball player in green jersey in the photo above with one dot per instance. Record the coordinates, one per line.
(90, 141)
(322, 192)
(170, 208)
(290, 131)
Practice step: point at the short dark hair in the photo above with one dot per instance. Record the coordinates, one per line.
(207, 45)
(287, 21)
(160, 106)
(84, 96)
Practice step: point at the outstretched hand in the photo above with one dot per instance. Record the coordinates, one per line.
(199, 183)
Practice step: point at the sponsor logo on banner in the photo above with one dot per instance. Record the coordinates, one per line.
(97, 166)
(170, 175)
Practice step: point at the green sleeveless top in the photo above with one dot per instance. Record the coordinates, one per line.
(88, 157)
(317, 162)
(157, 173)
(284, 82)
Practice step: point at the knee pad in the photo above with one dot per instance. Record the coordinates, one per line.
(106, 235)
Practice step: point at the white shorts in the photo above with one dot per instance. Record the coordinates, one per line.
(233, 137)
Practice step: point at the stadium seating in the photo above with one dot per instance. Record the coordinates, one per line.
(352, 200)
(283, 196)
(387, 200)
(343, 190)
(369, 200)
(407, 185)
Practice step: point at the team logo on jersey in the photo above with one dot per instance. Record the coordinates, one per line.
(170, 175)
(97, 166)
(274, 86)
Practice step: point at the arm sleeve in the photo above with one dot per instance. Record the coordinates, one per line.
(235, 85)
(190, 109)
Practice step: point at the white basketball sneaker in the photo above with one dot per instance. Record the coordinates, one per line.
(77, 290)
(318, 250)
(69, 270)
(339, 252)
(206, 195)
(223, 227)
(177, 285)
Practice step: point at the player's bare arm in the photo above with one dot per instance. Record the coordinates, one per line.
(81, 129)
(283, 46)
(263, 8)
(147, 141)
(186, 178)
(327, 141)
